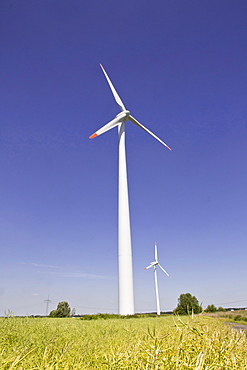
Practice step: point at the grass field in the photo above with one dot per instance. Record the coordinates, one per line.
(144, 343)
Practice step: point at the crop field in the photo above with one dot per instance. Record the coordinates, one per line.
(164, 342)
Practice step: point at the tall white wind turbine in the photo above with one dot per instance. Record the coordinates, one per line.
(154, 265)
(125, 272)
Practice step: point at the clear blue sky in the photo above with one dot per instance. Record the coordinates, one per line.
(180, 68)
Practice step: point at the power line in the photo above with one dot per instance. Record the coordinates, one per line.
(243, 300)
(97, 308)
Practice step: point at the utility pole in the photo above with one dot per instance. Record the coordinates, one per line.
(47, 305)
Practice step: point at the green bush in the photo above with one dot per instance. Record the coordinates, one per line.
(211, 308)
(107, 316)
(221, 309)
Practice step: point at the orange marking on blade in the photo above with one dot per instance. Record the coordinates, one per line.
(92, 136)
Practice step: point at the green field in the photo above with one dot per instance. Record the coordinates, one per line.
(164, 342)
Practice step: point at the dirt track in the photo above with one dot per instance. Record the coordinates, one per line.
(237, 326)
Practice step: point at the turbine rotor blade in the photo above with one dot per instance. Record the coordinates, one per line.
(107, 127)
(155, 252)
(163, 270)
(148, 267)
(115, 94)
(132, 119)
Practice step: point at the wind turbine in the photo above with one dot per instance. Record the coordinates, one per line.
(154, 265)
(125, 271)
(47, 305)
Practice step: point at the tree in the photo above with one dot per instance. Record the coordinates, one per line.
(53, 313)
(211, 308)
(221, 309)
(63, 310)
(187, 304)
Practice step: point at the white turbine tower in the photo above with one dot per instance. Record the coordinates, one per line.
(125, 273)
(154, 265)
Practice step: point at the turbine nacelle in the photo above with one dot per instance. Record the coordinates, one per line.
(123, 115)
(120, 118)
(152, 264)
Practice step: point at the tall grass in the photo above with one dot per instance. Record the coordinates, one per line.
(143, 343)
(238, 315)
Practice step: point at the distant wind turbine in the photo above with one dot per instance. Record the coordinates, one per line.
(154, 265)
(47, 305)
(125, 272)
